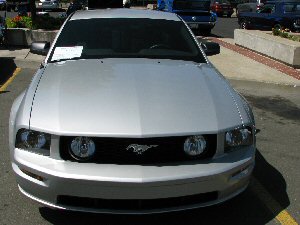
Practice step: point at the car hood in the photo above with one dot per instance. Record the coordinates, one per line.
(134, 98)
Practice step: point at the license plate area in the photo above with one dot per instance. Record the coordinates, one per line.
(193, 26)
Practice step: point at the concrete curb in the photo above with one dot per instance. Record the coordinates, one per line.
(24, 36)
(278, 48)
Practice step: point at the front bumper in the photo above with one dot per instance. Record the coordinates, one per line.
(48, 6)
(224, 11)
(201, 25)
(113, 188)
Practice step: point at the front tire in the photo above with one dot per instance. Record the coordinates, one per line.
(244, 25)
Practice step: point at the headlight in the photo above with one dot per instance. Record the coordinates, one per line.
(238, 137)
(34, 141)
(195, 145)
(82, 148)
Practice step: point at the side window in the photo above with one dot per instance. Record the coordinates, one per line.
(268, 8)
(273, 9)
(291, 8)
(288, 8)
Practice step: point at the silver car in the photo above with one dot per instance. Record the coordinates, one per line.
(48, 4)
(127, 115)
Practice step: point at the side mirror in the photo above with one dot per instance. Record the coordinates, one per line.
(40, 47)
(210, 48)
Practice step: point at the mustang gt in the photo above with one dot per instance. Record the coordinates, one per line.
(127, 115)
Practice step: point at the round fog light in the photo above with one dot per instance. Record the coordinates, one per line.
(82, 148)
(195, 145)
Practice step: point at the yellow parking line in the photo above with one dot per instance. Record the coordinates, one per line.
(5, 85)
(275, 208)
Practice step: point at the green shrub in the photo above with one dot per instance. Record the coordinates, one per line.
(27, 21)
(275, 31)
(42, 22)
(294, 38)
(284, 34)
(19, 22)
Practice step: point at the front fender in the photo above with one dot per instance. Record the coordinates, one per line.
(21, 109)
(12, 119)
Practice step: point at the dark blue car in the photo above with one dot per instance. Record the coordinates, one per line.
(196, 13)
(274, 14)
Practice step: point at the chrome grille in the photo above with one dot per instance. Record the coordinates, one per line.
(118, 150)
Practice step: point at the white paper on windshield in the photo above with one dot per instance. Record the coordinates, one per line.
(67, 52)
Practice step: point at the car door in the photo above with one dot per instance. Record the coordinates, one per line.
(266, 16)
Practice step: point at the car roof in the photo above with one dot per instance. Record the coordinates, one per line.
(124, 13)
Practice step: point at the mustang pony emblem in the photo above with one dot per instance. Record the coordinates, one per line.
(140, 149)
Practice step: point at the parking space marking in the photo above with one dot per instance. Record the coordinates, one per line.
(5, 85)
(272, 205)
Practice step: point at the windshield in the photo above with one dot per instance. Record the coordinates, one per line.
(191, 4)
(292, 8)
(125, 38)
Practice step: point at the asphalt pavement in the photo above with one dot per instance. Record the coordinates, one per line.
(224, 27)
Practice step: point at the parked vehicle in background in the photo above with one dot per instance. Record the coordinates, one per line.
(126, 3)
(221, 7)
(249, 6)
(23, 10)
(49, 4)
(246, 7)
(2, 4)
(76, 5)
(275, 14)
(96, 4)
(234, 3)
(196, 13)
(102, 4)
(82, 3)
(2, 30)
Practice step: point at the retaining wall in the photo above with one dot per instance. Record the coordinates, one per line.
(264, 42)
(24, 37)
